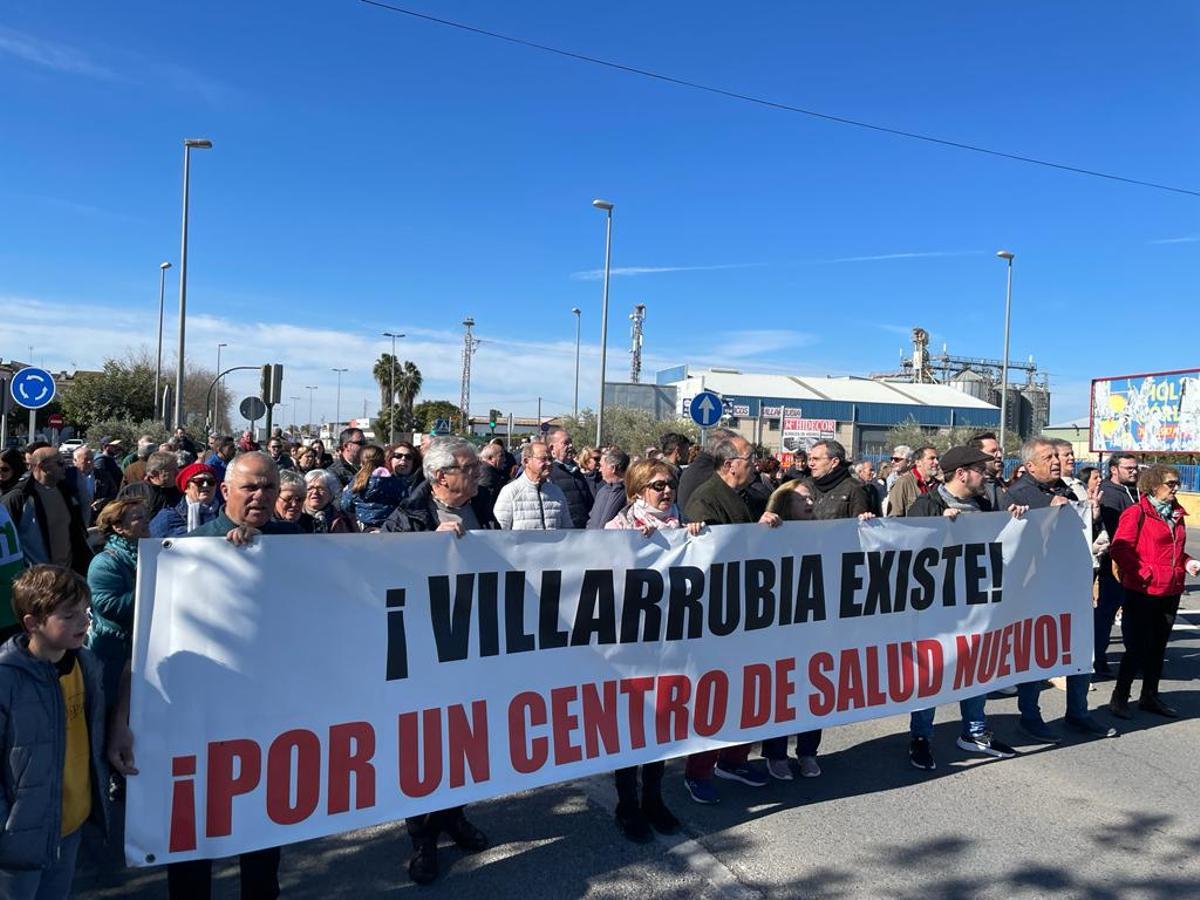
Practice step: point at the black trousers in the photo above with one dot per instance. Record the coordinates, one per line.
(1147, 626)
(192, 880)
(429, 826)
(1109, 599)
(627, 780)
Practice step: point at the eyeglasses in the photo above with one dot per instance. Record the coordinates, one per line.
(660, 486)
(470, 469)
(203, 482)
(543, 459)
(1173, 484)
(359, 443)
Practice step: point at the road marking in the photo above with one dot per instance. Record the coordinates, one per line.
(685, 847)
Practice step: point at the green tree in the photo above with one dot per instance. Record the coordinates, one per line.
(408, 386)
(914, 435)
(633, 430)
(428, 412)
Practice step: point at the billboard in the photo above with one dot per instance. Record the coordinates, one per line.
(1157, 412)
(799, 434)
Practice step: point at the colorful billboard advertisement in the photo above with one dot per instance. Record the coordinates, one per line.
(1157, 412)
(800, 434)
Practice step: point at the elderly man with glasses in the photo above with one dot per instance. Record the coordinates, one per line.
(531, 502)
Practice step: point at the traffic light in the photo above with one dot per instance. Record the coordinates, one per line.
(272, 384)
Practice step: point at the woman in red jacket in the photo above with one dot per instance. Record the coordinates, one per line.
(1148, 551)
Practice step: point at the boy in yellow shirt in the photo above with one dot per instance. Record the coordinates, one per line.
(52, 710)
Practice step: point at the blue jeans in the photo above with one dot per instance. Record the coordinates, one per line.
(974, 721)
(1077, 698)
(50, 883)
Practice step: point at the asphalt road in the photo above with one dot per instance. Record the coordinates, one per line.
(1102, 819)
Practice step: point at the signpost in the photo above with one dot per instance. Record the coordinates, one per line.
(32, 388)
(252, 409)
(441, 426)
(706, 409)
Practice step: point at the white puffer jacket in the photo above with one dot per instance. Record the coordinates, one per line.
(525, 506)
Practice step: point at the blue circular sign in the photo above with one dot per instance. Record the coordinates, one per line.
(706, 409)
(32, 387)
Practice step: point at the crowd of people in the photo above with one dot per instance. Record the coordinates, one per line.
(72, 529)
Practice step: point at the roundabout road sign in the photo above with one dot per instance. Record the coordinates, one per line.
(32, 387)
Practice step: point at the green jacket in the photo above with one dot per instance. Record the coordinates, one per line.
(716, 503)
(12, 563)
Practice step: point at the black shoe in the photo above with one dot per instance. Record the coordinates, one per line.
(633, 824)
(920, 754)
(1119, 707)
(1153, 704)
(423, 867)
(116, 788)
(660, 817)
(467, 836)
(1088, 725)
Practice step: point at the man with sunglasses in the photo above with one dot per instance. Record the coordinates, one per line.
(199, 506)
(350, 444)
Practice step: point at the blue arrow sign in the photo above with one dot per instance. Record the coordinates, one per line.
(706, 408)
(32, 388)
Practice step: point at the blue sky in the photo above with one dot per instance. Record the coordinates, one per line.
(372, 172)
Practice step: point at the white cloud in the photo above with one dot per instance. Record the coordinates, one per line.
(598, 274)
(1185, 239)
(885, 256)
(59, 57)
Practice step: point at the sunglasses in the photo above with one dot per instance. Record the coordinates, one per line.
(203, 482)
(402, 456)
(660, 486)
(897, 459)
(1171, 484)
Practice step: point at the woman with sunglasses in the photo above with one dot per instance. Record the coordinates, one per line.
(1148, 551)
(201, 503)
(650, 488)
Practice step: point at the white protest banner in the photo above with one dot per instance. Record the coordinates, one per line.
(309, 685)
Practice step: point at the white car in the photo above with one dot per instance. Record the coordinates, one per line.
(66, 448)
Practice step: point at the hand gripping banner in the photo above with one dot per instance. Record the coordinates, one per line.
(310, 685)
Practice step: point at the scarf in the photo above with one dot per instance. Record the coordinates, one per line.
(922, 485)
(641, 514)
(953, 502)
(1166, 509)
(832, 478)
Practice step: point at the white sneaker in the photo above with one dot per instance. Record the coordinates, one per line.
(780, 769)
(809, 767)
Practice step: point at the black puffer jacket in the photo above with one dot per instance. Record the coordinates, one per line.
(574, 486)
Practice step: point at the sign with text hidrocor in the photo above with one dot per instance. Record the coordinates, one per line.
(1157, 412)
(466, 668)
(796, 433)
(32, 388)
(706, 409)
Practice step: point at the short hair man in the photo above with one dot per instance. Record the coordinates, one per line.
(135, 469)
(993, 485)
(52, 722)
(445, 501)
(962, 491)
(279, 454)
(700, 469)
(345, 466)
(48, 515)
(86, 482)
(864, 471)
(493, 474)
(901, 463)
(567, 477)
(1117, 493)
(610, 496)
(108, 474)
(675, 447)
(157, 489)
(918, 480)
(1040, 487)
(531, 502)
(718, 502)
(448, 499)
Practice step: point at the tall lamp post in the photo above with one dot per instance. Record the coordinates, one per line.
(608, 211)
(162, 288)
(217, 405)
(392, 388)
(310, 388)
(337, 415)
(578, 312)
(188, 145)
(295, 424)
(1008, 257)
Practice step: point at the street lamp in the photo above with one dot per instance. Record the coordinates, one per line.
(392, 395)
(578, 312)
(310, 388)
(162, 286)
(217, 405)
(1008, 257)
(608, 211)
(295, 424)
(188, 144)
(337, 415)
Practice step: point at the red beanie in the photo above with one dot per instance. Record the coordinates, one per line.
(187, 473)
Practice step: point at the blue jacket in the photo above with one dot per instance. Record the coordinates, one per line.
(610, 500)
(111, 577)
(171, 521)
(33, 744)
(377, 501)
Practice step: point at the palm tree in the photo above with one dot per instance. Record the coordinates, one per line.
(408, 385)
(383, 376)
